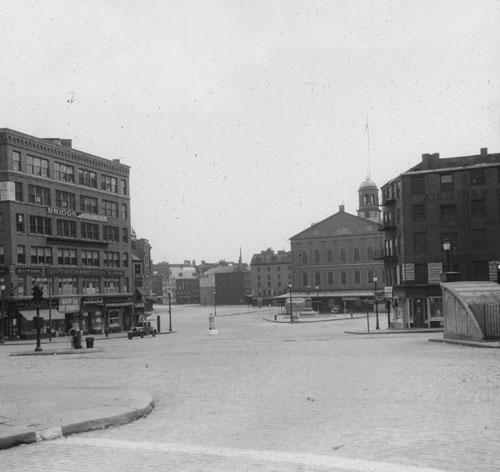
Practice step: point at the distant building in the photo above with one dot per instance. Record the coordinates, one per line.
(227, 285)
(270, 275)
(332, 262)
(440, 216)
(141, 256)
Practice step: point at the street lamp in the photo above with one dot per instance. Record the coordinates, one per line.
(317, 297)
(375, 279)
(447, 248)
(215, 304)
(169, 310)
(2, 335)
(291, 309)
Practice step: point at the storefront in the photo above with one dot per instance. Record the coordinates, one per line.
(419, 306)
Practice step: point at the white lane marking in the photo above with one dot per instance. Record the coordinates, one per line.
(313, 460)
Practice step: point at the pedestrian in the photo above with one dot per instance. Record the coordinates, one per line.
(351, 313)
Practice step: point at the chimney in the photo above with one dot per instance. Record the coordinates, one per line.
(430, 161)
(341, 208)
(116, 160)
(484, 151)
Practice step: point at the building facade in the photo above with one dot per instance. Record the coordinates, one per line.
(332, 262)
(270, 276)
(64, 225)
(226, 285)
(442, 216)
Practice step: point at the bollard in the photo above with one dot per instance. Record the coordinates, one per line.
(158, 324)
(211, 324)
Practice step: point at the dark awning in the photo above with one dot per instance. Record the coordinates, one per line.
(44, 313)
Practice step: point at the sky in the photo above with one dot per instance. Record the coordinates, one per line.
(244, 122)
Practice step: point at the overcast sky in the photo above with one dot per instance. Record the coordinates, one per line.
(245, 121)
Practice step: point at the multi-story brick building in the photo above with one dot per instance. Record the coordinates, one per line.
(64, 224)
(270, 275)
(442, 215)
(333, 260)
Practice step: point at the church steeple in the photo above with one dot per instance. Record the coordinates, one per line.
(368, 201)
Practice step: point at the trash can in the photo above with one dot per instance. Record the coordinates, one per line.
(90, 343)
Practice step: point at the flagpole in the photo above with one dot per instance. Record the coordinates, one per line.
(367, 129)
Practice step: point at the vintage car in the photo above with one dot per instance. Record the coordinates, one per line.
(142, 329)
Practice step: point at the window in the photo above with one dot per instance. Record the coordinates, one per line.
(90, 231)
(41, 255)
(343, 257)
(343, 277)
(316, 256)
(330, 278)
(66, 256)
(478, 208)
(305, 280)
(87, 178)
(37, 166)
(38, 195)
(19, 192)
(21, 254)
(356, 254)
(40, 225)
(2, 255)
(90, 285)
(109, 184)
(448, 212)
(110, 208)
(357, 277)
(66, 228)
(477, 177)
(370, 276)
(125, 260)
(90, 258)
(111, 259)
(304, 257)
(420, 243)
(329, 255)
(64, 172)
(16, 160)
(418, 213)
(369, 253)
(123, 187)
(88, 205)
(65, 200)
(111, 285)
(446, 182)
(68, 285)
(19, 222)
(417, 184)
(111, 233)
(124, 211)
(125, 237)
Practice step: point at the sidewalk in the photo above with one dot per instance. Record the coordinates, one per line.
(28, 416)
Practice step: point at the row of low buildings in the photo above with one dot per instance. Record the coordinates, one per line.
(65, 226)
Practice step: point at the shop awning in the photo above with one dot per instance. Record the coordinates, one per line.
(44, 313)
(330, 293)
(118, 304)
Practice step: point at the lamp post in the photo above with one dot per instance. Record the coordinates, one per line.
(447, 248)
(215, 304)
(291, 309)
(317, 297)
(367, 313)
(2, 334)
(375, 280)
(169, 311)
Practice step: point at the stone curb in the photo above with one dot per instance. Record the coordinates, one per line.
(47, 434)
(398, 331)
(485, 344)
(56, 352)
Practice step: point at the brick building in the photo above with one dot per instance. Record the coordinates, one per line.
(270, 275)
(333, 260)
(442, 215)
(64, 224)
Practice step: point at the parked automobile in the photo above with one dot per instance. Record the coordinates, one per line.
(142, 329)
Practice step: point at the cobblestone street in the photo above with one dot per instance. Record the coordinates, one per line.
(276, 397)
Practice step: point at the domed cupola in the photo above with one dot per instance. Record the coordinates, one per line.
(368, 201)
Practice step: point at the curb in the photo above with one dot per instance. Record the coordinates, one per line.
(56, 352)
(47, 434)
(398, 331)
(479, 344)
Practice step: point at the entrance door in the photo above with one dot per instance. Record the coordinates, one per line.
(419, 310)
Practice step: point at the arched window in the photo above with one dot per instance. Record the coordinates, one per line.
(305, 279)
(342, 255)
(343, 278)
(357, 277)
(356, 254)
(370, 276)
(372, 199)
(329, 255)
(369, 252)
(304, 257)
(330, 278)
(365, 199)
(317, 279)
